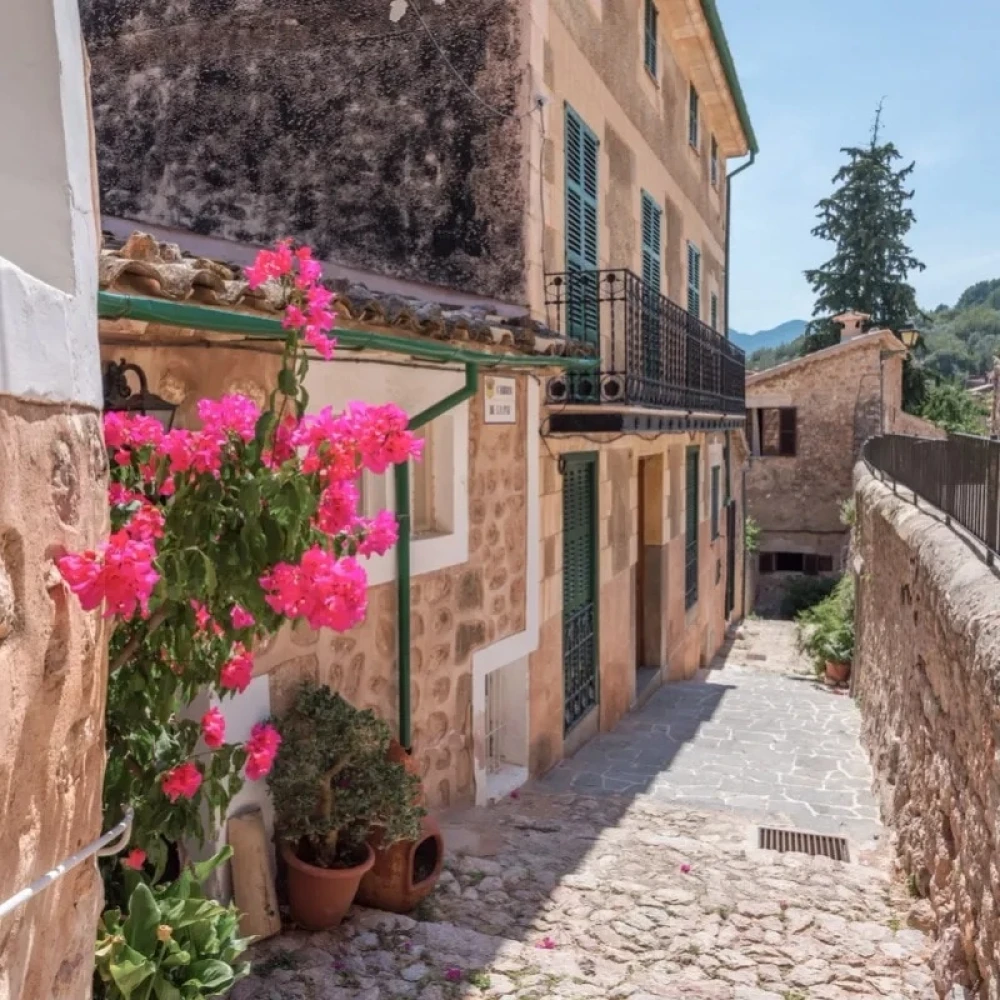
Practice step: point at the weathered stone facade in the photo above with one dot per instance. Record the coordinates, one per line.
(321, 120)
(927, 677)
(53, 665)
(677, 641)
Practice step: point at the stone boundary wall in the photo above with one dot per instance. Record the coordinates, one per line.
(927, 677)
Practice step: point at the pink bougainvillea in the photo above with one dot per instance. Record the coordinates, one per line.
(182, 781)
(327, 591)
(135, 859)
(119, 574)
(380, 534)
(261, 749)
(237, 671)
(213, 728)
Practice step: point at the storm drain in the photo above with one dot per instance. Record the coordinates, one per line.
(772, 838)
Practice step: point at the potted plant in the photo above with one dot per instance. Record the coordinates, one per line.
(826, 632)
(332, 785)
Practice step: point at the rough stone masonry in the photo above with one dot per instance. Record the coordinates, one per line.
(928, 680)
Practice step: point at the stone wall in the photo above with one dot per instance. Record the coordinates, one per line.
(676, 640)
(52, 671)
(320, 119)
(927, 671)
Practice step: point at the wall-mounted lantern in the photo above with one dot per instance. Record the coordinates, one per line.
(910, 337)
(120, 396)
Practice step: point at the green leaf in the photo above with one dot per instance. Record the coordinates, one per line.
(163, 990)
(264, 424)
(143, 919)
(130, 971)
(202, 869)
(286, 382)
(213, 975)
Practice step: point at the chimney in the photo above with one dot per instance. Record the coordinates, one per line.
(852, 324)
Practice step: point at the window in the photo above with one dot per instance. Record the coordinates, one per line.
(694, 281)
(691, 528)
(693, 135)
(422, 507)
(715, 502)
(713, 306)
(652, 19)
(795, 562)
(581, 227)
(713, 163)
(776, 431)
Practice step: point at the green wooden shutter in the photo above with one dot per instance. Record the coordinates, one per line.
(581, 227)
(694, 281)
(715, 501)
(691, 527)
(714, 310)
(652, 242)
(693, 116)
(652, 41)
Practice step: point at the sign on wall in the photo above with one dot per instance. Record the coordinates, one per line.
(501, 400)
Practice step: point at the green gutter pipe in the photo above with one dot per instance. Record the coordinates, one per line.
(113, 305)
(402, 486)
(729, 220)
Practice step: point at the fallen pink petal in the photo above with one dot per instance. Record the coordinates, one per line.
(453, 974)
(685, 868)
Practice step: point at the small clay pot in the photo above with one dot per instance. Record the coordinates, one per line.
(837, 673)
(405, 873)
(321, 897)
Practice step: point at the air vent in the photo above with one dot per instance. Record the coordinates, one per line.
(771, 838)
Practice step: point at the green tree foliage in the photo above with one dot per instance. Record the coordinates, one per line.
(948, 405)
(768, 357)
(867, 219)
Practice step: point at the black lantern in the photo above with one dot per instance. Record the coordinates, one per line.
(119, 396)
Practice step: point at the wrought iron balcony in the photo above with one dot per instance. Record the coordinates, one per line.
(653, 352)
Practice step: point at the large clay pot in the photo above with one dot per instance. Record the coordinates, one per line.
(321, 897)
(404, 873)
(837, 673)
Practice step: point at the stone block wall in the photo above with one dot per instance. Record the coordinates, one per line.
(53, 662)
(927, 671)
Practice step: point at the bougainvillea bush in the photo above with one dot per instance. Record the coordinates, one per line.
(219, 536)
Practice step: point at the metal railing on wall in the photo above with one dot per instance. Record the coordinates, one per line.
(960, 476)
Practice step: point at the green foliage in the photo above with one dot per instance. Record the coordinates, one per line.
(848, 513)
(333, 781)
(949, 406)
(803, 592)
(751, 535)
(867, 219)
(172, 943)
(826, 630)
(770, 357)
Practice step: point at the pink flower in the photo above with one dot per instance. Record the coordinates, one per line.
(121, 496)
(685, 868)
(202, 617)
(146, 524)
(380, 534)
(231, 415)
(120, 574)
(328, 592)
(294, 318)
(261, 748)
(135, 859)
(515, 794)
(131, 430)
(182, 782)
(237, 672)
(546, 944)
(382, 435)
(213, 728)
(241, 618)
(337, 506)
(453, 974)
(320, 342)
(270, 264)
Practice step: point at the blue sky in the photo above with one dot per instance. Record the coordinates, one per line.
(813, 72)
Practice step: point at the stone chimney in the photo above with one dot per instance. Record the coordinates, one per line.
(852, 324)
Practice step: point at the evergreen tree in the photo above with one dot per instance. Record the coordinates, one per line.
(867, 218)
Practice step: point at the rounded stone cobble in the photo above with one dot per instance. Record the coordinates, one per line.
(575, 897)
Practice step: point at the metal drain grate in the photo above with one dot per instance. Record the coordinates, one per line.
(772, 838)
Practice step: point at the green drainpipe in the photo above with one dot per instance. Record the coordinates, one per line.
(402, 485)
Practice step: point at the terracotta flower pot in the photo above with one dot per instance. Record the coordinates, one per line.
(404, 873)
(321, 897)
(837, 673)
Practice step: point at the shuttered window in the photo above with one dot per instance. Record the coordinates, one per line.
(694, 281)
(715, 501)
(652, 23)
(691, 527)
(713, 163)
(652, 242)
(713, 306)
(777, 430)
(693, 117)
(581, 227)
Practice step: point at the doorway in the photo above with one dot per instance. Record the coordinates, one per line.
(649, 606)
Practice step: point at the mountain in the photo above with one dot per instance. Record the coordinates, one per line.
(775, 337)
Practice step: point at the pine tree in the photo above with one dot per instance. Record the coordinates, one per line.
(867, 218)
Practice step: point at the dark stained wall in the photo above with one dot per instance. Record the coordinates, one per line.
(319, 119)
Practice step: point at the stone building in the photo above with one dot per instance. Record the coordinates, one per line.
(806, 422)
(560, 165)
(52, 498)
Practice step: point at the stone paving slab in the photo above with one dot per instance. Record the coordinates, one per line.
(754, 733)
(629, 898)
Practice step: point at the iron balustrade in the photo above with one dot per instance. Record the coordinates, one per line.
(960, 476)
(653, 352)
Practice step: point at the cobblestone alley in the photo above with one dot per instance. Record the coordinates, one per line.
(632, 870)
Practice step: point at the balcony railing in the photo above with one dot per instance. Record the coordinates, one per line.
(653, 352)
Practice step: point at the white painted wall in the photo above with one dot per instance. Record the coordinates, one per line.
(48, 222)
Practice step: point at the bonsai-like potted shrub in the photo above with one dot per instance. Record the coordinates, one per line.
(826, 632)
(333, 784)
